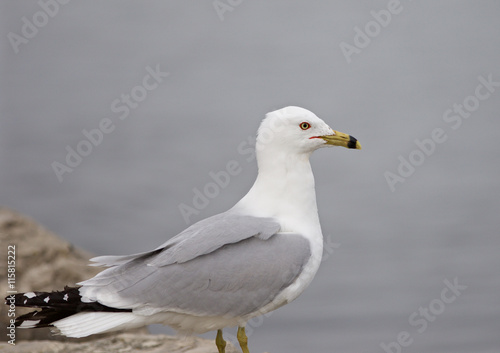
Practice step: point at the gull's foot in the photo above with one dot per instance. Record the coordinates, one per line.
(242, 339)
(219, 341)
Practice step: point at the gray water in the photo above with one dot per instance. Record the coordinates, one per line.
(390, 251)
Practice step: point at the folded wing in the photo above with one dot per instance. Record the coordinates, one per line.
(224, 265)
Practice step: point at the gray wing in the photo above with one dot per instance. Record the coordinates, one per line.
(201, 238)
(237, 279)
(229, 272)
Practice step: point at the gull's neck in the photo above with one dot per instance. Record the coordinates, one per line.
(284, 189)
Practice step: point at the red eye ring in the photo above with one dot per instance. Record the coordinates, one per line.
(304, 125)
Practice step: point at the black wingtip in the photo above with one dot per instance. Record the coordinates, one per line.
(55, 306)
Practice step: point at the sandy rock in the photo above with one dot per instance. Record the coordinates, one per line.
(44, 262)
(125, 342)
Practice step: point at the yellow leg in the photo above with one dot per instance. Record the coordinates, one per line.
(242, 339)
(219, 341)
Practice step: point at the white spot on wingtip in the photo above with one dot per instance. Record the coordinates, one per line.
(30, 295)
(46, 299)
(25, 301)
(29, 324)
(65, 297)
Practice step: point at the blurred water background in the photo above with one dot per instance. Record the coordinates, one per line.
(391, 246)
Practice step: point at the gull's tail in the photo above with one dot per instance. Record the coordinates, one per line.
(66, 311)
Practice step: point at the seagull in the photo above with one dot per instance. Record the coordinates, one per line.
(222, 271)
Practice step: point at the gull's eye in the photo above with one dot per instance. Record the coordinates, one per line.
(305, 125)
